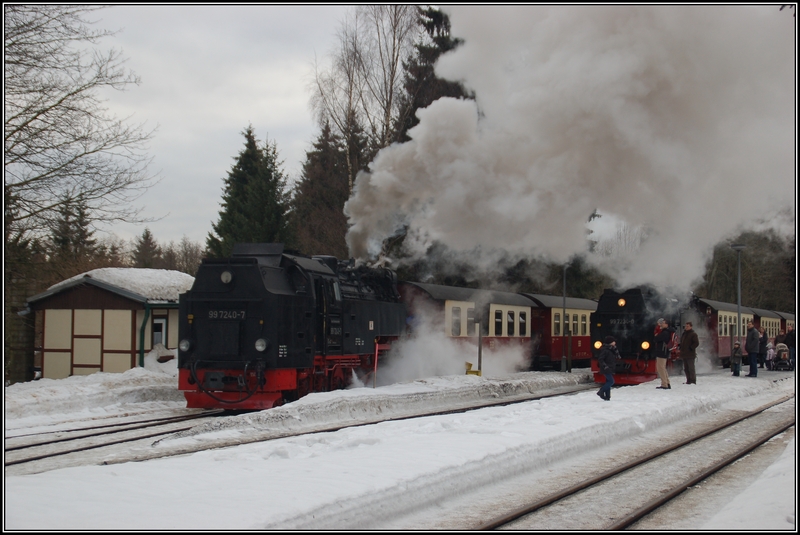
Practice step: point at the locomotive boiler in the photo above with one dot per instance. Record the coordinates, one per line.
(267, 326)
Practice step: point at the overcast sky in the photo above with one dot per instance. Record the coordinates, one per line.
(207, 72)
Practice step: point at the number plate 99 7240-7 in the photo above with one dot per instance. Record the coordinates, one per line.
(226, 314)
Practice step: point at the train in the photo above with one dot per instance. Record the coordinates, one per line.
(266, 325)
(630, 316)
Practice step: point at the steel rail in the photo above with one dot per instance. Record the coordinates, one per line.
(552, 498)
(140, 424)
(651, 506)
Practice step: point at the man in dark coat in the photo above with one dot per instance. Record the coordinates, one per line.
(607, 364)
(689, 343)
(751, 345)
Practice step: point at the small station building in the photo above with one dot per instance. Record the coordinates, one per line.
(106, 320)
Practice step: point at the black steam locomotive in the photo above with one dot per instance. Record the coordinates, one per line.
(630, 317)
(266, 326)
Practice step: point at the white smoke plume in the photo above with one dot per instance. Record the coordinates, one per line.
(428, 352)
(679, 119)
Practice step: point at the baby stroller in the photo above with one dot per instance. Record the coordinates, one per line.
(781, 361)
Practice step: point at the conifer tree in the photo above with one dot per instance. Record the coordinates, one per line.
(146, 252)
(421, 84)
(72, 248)
(255, 201)
(317, 215)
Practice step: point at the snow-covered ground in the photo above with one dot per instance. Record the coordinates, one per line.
(285, 483)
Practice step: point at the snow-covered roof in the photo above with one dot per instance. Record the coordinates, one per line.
(139, 284)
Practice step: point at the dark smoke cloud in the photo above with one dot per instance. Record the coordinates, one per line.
(678, 119)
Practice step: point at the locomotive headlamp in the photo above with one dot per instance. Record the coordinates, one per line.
(261, 345)
(598, 344)
(645, 345)
(226, 277)
(621, 302)
(185, 345)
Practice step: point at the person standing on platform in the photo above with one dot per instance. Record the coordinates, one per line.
(736, 359)
(751, 345)
(689, 343)
(663, 340)
(607, 364)
(763, 340)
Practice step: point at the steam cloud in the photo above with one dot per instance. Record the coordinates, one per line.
(680, 119)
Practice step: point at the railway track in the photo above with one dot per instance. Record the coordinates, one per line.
(32, 447)
(141, 448)
(621, 496)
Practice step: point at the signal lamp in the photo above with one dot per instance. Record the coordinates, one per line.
(645, 345)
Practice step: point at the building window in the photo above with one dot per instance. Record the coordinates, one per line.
(159, 331)
(456, 329)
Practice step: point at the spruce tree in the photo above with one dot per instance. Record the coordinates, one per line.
(146, 252)
(422, 86)
(255, 201)
(318, 206)
(72, 247)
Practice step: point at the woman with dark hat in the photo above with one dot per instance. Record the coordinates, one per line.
(607, 364)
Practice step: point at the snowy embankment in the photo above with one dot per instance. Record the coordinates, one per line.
(370, 405)
(99, 395)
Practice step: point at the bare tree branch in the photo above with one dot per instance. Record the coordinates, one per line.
(61, 143)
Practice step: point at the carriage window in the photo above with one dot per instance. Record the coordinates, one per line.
(510, 322)
(471, 322)
(583, 324)
(724, 326)
(523, 327)
(556, 324)
(575, 324)
(498, 323)
(456, 329)
(719, 328)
